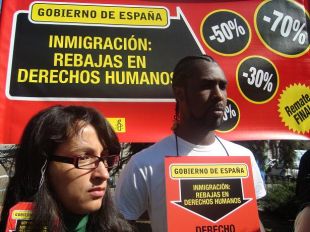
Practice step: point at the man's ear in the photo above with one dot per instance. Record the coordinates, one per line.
(178, 93)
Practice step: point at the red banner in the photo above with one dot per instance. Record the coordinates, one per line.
(119, 57)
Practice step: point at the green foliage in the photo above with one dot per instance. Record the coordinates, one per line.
(287, 151)
(280, 199)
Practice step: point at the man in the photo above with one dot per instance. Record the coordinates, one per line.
(302, 222)
(303, 180)
(199, 87)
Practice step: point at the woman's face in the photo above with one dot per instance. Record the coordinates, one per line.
(79, 191)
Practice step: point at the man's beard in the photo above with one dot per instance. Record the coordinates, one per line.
(206, 121)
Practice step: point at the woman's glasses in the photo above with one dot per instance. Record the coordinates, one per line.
(87, 161)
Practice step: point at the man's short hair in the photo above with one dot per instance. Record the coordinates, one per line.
(181, 70)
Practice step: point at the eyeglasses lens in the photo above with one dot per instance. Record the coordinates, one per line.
(90, 162)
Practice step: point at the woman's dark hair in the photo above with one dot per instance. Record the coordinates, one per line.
(41, 137)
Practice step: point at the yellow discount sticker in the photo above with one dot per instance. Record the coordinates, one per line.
(294, 108)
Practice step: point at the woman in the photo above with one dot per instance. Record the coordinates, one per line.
(62, 166)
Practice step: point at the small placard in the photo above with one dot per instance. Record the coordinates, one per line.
(210, 194)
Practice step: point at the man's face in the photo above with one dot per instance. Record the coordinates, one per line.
(204, 96)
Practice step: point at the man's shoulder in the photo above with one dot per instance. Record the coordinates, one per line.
(306, 155)
(235, 149)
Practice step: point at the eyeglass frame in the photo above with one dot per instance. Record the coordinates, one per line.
(75, 160)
